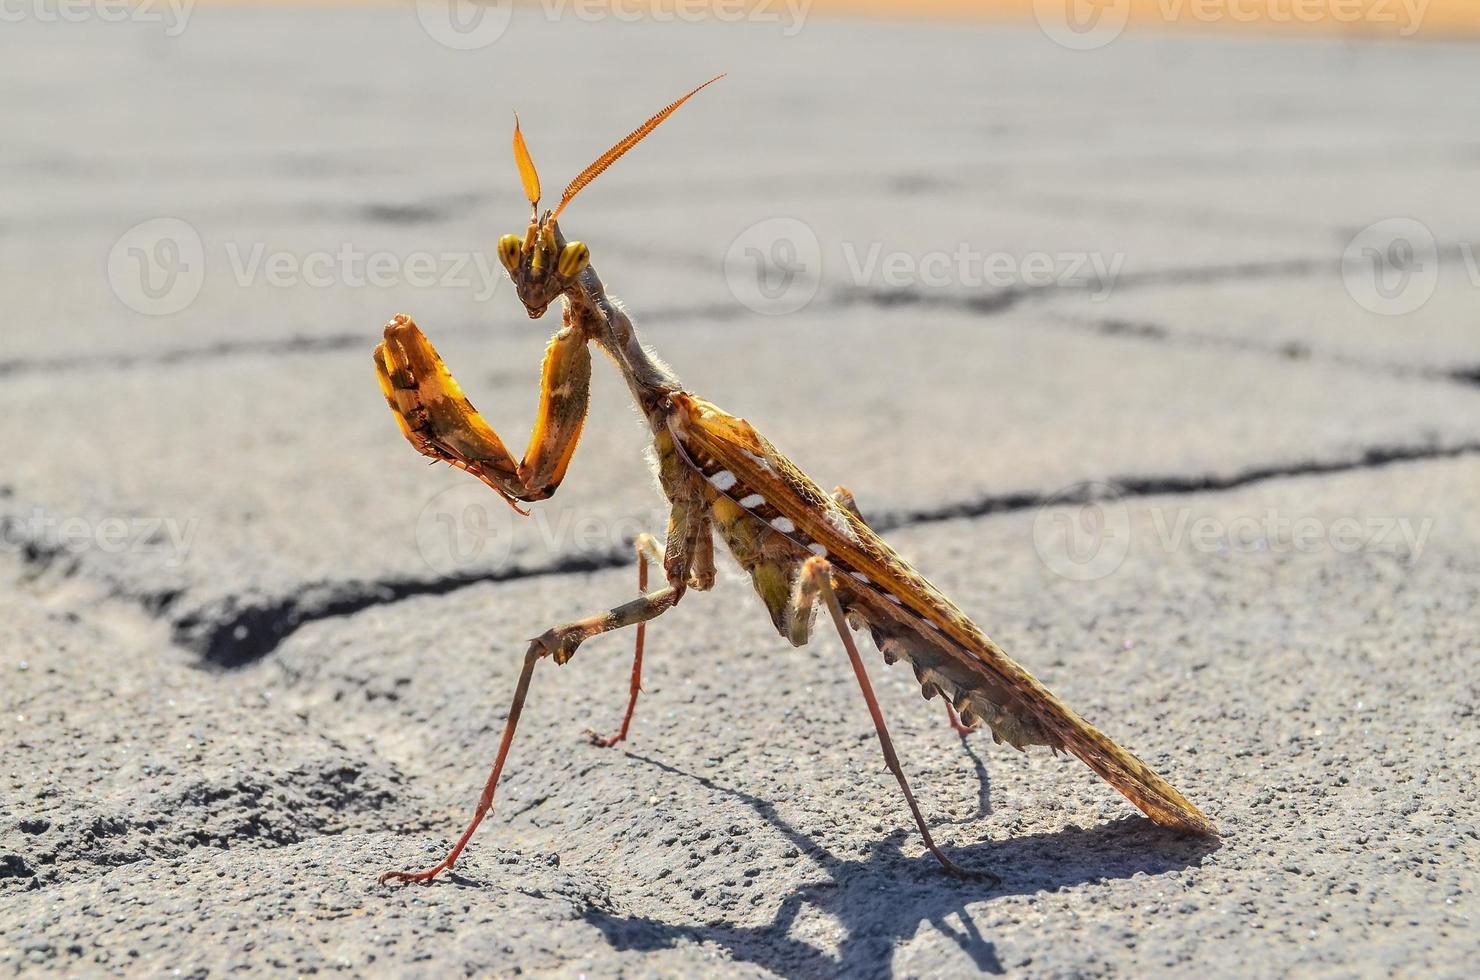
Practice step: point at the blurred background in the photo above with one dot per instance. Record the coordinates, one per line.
(1037, 259)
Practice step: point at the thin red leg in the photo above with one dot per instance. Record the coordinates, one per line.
(955, 719)
(485, 802)
(821, 573)
(647, 549)
(607, 741)
(559, 643)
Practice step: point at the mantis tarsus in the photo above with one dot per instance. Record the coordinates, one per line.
(798, 543)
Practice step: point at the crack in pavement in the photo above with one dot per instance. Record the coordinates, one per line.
(291, 345)
(1293, 350)
(256, 631)
(1131, 487)
(985, 302)
(996, 300)
(183, 355)
(1464, 376)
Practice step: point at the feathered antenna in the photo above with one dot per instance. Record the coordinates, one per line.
(610, 156)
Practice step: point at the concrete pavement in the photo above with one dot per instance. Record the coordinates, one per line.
(1160, 358)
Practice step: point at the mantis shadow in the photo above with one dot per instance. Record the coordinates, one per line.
(983, 787)
(884, 897)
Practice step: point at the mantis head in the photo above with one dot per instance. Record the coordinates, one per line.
(542, 264)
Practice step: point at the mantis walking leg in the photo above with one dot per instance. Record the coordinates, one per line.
(648, 550)
(559, 643)
(961, 729)
(844, 497)
(815, 579)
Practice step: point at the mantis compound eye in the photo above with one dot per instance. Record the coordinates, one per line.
(509, 251)
(573, 258)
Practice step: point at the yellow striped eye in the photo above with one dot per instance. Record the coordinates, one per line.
(509, 251)
(573, 258)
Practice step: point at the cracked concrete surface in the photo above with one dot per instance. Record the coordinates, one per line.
(1222, 501)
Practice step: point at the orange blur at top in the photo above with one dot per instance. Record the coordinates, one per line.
(1391, 18)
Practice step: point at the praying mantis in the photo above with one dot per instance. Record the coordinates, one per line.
(800, 545)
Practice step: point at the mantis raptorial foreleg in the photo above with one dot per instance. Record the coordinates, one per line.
(437, 418)
(648, 551)
(814, 579)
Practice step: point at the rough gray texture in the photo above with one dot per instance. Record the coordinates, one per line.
(732, 827)
(213, 745)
